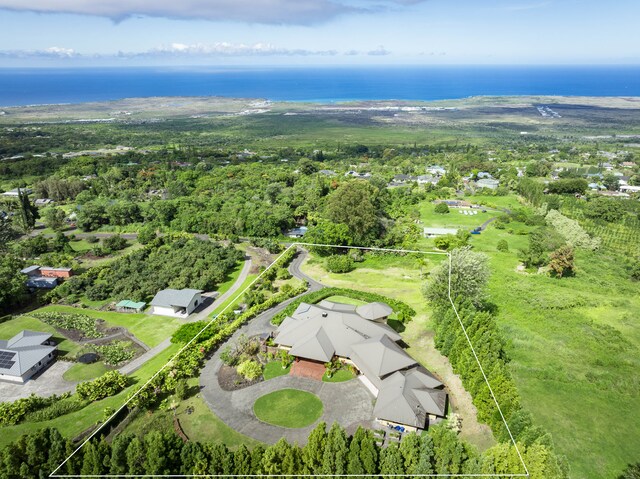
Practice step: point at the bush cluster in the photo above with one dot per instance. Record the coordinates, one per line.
(339, 263)
(115, 352)
(14, 412)
(108, 384)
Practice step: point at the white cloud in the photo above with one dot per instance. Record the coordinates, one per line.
(51, 52)
(380, 51)
(301, 12)
(229, 49)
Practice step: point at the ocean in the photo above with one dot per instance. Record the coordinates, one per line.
(319, 84)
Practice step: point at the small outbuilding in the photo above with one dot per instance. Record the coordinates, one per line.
(127, 306)
(178, 303)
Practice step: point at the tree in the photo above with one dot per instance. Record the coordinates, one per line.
(441, 208)
(12, 287)
(469, 277)
(54, 218)
(562, 261)
(114, 243)
(354, 204)
(339, 263)
(306, 166)
(391, 462)
(336, 449)
(146, 234)
(91, 216)
(611, 182)
(609, 210)
(327, 232)
(28, 212)
(7, 233)
(312, 452)
(502, 246)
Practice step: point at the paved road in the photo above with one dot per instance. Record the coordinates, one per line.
(204, 314)
(294, 269)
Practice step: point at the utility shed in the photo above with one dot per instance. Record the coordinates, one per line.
(127, 306)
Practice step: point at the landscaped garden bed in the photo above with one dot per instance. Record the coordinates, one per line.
(288, 408)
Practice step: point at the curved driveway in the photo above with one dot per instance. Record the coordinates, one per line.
(349, 403)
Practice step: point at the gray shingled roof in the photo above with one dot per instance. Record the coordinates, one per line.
(406, 397)
(343, 328)
(374, 311)
(174, 297)
(378, 357)
(23, 351)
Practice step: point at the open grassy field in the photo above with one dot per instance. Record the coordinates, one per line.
(575, 346)
(85, 372)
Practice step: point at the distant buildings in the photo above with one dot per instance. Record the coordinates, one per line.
(296, 232)
(178, 303)
(16, 192)
(45, 277)
(355, 174)
(22, 356)
(435, 232)
(490, 183)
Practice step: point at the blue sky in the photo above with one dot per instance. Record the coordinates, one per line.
(317, 32)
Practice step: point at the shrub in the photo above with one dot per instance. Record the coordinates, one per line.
(65, 405)
(13, 412)
(98, 292)
(91, 239)
(114, 243)
(339, 264)
(116, 352)
(441, 209)
(106, 385)
(503, 246)
(182, 389)
(228, 356)
(250, 369)
(187, 332)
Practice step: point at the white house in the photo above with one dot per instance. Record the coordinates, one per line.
(630, 189)
(433, 232)
(178, 303)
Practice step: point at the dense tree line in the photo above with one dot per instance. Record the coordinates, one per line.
(439, 451)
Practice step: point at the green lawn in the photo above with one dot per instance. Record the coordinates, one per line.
(84, 372)
(339, 376)
(150, 329)
(290, 408)
(274, 369)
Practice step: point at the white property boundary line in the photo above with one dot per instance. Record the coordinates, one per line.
(238, 295)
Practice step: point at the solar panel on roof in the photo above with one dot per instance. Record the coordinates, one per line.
(6, 359)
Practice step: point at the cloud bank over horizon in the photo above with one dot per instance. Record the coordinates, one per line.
(283, 12)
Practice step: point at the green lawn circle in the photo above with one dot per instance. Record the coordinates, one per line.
(288, 408)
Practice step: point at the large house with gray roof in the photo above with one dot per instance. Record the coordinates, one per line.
(178, 303)
(22, 356)
(407, 394)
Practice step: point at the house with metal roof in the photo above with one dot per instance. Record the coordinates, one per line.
(359, 335)
(128, 306)
(178, 303)
(25, 354)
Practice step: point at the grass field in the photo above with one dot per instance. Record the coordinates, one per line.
(290, 408)
(85, 372)
(575, 346)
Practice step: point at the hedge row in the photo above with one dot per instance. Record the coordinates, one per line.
(13, 412)
(403, 310)
(109, 384)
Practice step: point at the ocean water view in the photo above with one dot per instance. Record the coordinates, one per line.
(319, 84)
